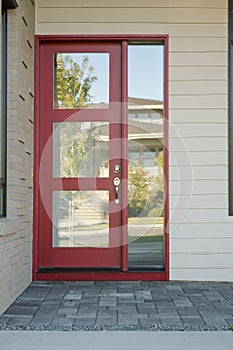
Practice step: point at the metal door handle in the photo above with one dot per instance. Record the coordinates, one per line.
(117, 201)
(117, 182)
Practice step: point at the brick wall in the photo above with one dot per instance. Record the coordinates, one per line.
(16, 229)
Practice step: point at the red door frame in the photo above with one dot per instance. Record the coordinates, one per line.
(101, 275)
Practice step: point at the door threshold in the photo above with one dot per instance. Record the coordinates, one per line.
(98, 275)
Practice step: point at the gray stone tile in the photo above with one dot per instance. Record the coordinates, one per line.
(108, 301)
(73, 295)
(19, 320)
(106, 321)
(40, 322)
(143, 294)
(69, 304)
(85, 321)
(132, 309)
(106, 313)
(63, 321)
(184, 302)
(174, 288)
(124, 304)
(209, 313)
(127, 321)
(15, 310)
(142, 316)
(215, 321)
(188, 312)
(148, 322)
(85, 315)
(170, 321)
(56, 295)
(192, 321)
(67, 311)
(167, 315)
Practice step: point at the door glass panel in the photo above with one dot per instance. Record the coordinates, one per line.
(81, 80)
(81, 149)
(145, 145)
(80, 219)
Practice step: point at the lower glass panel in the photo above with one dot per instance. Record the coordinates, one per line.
(146, 198)
(80, 219)
(146, 221)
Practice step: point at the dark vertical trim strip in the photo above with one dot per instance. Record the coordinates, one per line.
(166, 159)
(35, 260)
(230, 104)
(4, 106)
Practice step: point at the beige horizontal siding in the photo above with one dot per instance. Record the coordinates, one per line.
(135, 3)
(195, 201)
(184, 130)
(198, 230)
(189, 173)
(202, 245)
(174, 30)
(197, 215)
(193, 187)
(198, 144)
(198, 114)
(131, 15)
(210, 261)
(210, 73)
(198, 158)
(198, 87)
(199, 101)
(198, 59)
(196, 45)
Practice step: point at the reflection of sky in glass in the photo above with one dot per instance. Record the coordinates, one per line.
(146, 71)
(100, 62)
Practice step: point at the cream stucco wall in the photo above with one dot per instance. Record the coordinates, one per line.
(201, 232)
(16, 229)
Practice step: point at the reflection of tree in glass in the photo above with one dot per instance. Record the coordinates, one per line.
(73, 81)
(156, 201)
(138, 190)
(146, 193)
(74, 148)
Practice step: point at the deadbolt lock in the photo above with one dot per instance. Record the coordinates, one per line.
(117, 169)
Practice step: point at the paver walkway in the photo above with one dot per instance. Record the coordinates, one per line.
(122, 306)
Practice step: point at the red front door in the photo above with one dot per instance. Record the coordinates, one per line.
(80, 155)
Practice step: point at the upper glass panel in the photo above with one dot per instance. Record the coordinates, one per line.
(81, 80)
(146, 74)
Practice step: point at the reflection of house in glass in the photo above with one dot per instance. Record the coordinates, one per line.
(145, 135)
(145, 132)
